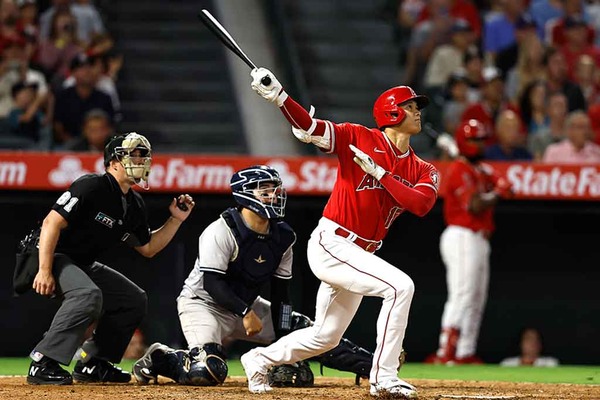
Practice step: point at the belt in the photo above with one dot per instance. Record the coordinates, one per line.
(368, 245)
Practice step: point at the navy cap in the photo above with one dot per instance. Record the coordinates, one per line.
(573, 21)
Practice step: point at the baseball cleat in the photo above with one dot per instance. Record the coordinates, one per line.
(394, 389)
(258, 381)
(99, 370)
(142, 369)
(48, 372)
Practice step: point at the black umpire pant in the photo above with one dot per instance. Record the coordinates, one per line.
(89, 294)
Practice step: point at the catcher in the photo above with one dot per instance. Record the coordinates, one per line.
(245, 249)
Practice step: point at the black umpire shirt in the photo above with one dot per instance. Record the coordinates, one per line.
(99, 216)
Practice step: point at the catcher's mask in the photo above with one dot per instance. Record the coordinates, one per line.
(134, 152)
(260, 189)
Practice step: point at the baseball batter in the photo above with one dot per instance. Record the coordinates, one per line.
(471, 189)
(379, 177)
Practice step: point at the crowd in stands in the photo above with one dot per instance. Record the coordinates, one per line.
(527, 69)
(58, 73)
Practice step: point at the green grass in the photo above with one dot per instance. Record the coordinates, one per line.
(562, 374)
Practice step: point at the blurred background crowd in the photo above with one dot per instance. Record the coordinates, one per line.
(527, 69)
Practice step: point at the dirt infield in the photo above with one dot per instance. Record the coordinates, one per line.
(15, 388)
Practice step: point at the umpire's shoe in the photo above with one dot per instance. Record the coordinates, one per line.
(98, 370)
(48, 372)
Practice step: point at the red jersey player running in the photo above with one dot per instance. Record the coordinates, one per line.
(471, 188)
(379, 177)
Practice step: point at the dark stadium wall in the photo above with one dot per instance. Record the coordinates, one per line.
(544, 273)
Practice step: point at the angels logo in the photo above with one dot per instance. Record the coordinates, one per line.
(369, 182)
(435, 179)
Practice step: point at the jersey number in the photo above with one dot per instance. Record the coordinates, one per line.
(394, 212)
(67, 201)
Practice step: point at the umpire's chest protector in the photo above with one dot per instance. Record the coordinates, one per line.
(259, 255)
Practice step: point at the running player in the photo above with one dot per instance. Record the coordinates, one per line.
(379, 177)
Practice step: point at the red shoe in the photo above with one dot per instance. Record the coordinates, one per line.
(435, 359)
(469, 360)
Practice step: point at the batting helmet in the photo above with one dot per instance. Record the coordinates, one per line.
(260, 189)
(468, 132)
(121, 148)
(387, 110)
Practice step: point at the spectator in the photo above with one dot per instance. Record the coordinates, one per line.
(529, 67)
(457, 100)
(555, 130)
(587, 77)
(22, 123)
(15, 68)
(492, 102)
(74, 102)
(509, 138)
(427, 34)
(473, 63)
(576, 45)
(525, 27)
(533, 107)
(56, 52)
(499, 30)
(577, 147)
(557, 79)
(27, 25)
(97, 129)
(531, 347)
(555, 28)
(447, 58)
(87, 16)
(104, 82)
(543, 11)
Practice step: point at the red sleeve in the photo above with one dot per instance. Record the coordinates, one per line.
(418, 200)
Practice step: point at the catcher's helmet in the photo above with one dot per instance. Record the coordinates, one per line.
(467, 134)
(387, 110)
(121, 147)
(260, 189)
(207, 366)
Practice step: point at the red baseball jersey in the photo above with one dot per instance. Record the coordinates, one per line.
(358, 201)
(460, 182)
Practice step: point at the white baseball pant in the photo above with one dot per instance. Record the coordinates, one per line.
(466, 254)
(205, 322)
(347, 273)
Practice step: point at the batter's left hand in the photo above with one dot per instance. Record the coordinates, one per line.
(181, 207)
(367, 164)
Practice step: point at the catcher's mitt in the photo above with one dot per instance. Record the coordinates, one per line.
(298, 374)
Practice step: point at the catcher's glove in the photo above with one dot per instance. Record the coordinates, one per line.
(298, 374)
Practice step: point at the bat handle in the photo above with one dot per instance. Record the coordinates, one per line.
(266, 81)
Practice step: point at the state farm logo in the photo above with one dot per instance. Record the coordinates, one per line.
(556, 182)
(177, 174)
(68, 169)
(289, 179)
(12, 173)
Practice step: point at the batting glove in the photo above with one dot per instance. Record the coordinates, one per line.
(367, 164)
(273, 92)
(448, 144)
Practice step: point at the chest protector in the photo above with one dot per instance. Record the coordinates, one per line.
(259, 255)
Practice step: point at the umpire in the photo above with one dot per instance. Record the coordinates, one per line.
(97, 212)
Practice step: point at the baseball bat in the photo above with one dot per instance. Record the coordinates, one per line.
(221, 33)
